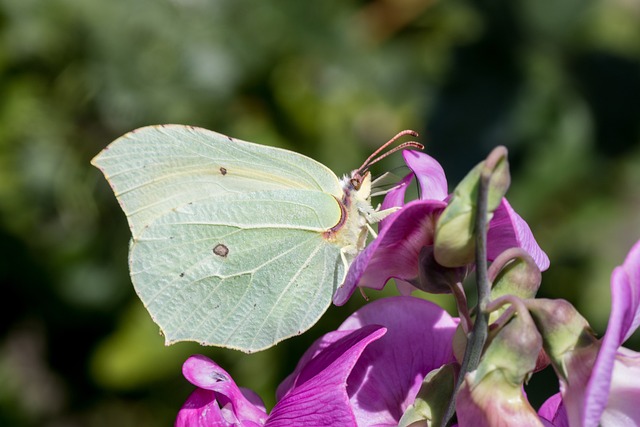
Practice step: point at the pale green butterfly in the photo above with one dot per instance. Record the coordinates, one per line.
(235, 244)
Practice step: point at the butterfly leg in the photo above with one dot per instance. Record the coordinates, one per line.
(376, 215)
(372, 231)
(345, 263)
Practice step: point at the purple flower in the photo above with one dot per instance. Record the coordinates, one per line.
(602, 387)
(365, 373)
(395, 252)
(318, 397)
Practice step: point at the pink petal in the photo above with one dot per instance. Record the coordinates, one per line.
(622, 408)
(318, 346)
(623, 320)
(394, 198)
(507, 230)
(630, 290)
(318, 395)
(206, 374)
(389, 373)
(201, 410)
(430, 175)
(395, 252)
(552, 411)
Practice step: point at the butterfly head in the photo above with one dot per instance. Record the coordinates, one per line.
(355, 206)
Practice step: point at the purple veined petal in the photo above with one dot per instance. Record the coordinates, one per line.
(206, 374)
(622, 408)
(395, 252)
(389, 373)
(552, 411)
(625, 287)
(394, 198)
(253, 398)
(318, 346)
(405, 288)
(507, 230)
(429, 173)
(201, 410)
(631, 298)
(318, 395)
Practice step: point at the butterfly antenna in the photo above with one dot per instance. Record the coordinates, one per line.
(376, 156)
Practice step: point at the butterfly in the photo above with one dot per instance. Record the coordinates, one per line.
(236, 244)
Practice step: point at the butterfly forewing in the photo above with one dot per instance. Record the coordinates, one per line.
(158, 168)
(245, 271)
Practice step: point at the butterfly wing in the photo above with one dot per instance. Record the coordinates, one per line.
(234, 259)
(158, 168)
(244, 271)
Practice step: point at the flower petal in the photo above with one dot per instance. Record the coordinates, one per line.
(201, 410)
(318, 393)
(507, 230)
(318, 346)
(206, 374)
(394, 198)
(623, 320)
(622, 406)
(552, 411)
(430, 175)
(395, 252)
(389, 373)
(630, 292)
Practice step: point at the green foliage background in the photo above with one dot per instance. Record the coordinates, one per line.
(558, 83)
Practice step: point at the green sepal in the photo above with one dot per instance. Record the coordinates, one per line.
(563, 330)
(513, 351)
(432, 399)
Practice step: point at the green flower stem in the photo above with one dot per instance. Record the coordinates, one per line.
(478, 335)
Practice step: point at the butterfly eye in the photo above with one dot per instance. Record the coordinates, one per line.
(356, 181)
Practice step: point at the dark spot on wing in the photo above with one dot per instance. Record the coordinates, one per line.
(229, 138)
(181, 274)
(223, 171)
(221, 250)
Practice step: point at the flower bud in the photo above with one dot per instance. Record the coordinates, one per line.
(455, 231)
(492, 395)
(563, 330)
(513, 272)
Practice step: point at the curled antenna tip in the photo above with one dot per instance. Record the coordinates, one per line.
(376, 156)
(409, 132)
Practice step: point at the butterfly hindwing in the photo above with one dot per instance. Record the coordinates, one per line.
(244, 271)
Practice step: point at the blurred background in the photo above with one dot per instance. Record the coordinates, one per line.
(558, 83)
